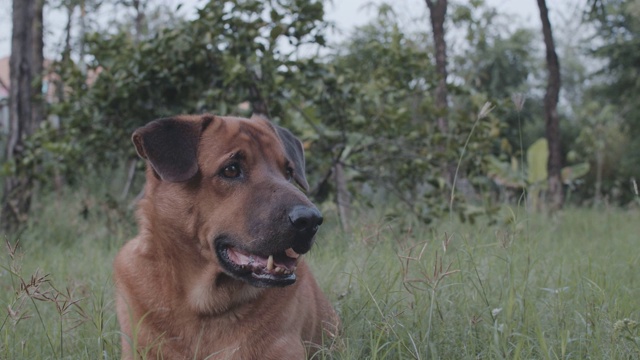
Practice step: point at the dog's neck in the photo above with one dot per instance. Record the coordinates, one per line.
(222, 296)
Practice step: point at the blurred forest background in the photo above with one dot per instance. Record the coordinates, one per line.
(451, 109)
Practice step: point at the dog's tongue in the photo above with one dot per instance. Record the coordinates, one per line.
(242, 258)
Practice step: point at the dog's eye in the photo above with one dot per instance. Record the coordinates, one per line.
(289, 171)
(231, 171)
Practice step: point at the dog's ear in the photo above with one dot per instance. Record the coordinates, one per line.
(171, 147)
(295, 152)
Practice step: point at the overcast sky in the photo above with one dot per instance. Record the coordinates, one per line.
(345, 13)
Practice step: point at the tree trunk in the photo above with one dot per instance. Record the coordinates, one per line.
(131, 174)
(438, 12)
(597, 200)
(343, 199)
(83, 31)
(552, 121)
(259, 104)
(25, 108)
(139, 20)
(66, 52)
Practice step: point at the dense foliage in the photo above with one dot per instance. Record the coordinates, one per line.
(364, 107)
(202, 65)
(615, 113)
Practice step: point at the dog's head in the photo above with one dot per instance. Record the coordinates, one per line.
(224, 188)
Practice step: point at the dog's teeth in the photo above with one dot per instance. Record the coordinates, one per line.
(292, 253)
(279, 270)
(270, 263)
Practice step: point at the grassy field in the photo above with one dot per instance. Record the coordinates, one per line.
(531, 287)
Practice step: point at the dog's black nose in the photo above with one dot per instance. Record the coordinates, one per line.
(305, 219)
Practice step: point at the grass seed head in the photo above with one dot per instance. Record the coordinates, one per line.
(518, 101)
(625, 324)
(486, 109)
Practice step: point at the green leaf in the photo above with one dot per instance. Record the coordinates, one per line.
(572, 173)
(537, 159)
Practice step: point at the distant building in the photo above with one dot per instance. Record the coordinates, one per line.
(4, 95)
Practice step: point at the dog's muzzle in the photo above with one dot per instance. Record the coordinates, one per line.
(276, 267)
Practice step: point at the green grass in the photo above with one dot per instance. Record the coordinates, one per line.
(532, 287)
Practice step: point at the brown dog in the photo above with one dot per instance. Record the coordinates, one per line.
(215, 271)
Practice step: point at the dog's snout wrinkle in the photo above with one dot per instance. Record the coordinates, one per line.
(305, 218)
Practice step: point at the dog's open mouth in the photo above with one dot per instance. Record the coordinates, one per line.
(263, 271)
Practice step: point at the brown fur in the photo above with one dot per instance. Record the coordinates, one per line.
(174, 299)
